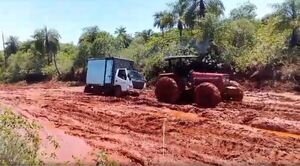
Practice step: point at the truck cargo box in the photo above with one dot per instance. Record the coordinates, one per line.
(101, 71)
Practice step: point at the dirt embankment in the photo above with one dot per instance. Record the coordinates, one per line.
(264, 129)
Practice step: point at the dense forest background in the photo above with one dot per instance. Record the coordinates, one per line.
(240, 43)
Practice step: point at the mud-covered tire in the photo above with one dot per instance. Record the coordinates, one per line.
(207, 95)
(167, 90)
(88, 89)
(118, 91)
(238, 96)
(235, 84)
(233, 93)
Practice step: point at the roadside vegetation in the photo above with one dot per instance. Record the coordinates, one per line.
(240, 43)
(19, 141)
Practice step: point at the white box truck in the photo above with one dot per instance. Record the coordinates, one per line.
(112, 76)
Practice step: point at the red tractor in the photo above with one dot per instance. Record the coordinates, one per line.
(181, 82)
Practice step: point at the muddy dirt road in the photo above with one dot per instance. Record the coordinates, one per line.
(264, 129)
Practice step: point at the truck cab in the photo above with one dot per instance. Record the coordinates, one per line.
(112, 76)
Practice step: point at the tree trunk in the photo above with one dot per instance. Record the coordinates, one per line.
(163, 32)
(57, 70)
(4, 52)
(49, 59)
(5, 61)
(202, 9)
(180, 34)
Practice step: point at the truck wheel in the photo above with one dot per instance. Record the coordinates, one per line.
(207, 95)
(118, 91)
(167, 90)
(88, 89)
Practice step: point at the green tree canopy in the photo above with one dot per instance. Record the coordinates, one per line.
(47, 44)
(164, 20)
(246, 10)
(123, 39)
(103, 45)
(11, 47)
(289, 13)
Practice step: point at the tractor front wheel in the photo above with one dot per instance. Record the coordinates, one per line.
(233, 92)
(167, 90)
(239, 95)
(207, 95)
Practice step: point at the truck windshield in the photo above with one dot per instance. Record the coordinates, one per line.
(135, 75)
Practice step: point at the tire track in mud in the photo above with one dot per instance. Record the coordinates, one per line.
(218, 141)
(131, 127)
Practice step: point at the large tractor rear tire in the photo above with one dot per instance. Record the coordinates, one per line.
(207, 95)
(167, 90)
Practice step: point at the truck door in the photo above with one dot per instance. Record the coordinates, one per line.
(122, 79)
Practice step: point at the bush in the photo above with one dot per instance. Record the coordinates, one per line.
(19, 140)
(268, 46)
(153, 66)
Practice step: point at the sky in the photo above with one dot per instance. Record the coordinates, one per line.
(22, 17)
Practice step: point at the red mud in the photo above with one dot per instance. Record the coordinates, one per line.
(264, 129)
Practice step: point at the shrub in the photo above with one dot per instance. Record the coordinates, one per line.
(153, 66)
(19, 140)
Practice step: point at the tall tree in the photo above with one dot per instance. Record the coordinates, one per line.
(120, 31)
(199, 9)
(47, 43)
(179, 10)
(215, 7)
(247, 10)
(145, 34)
(11, 47)
(123, 39)
(89, 34)
(103, 45)
(163, 20)
(289, 12)
(209, 26)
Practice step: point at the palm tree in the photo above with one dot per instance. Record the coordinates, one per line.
(163, 20)
(11, 47)
(89, 34)
(289, 11)
(145, 34)
(180, 9)
(215, 6)
(47, 43)
(120, 31)
(124, 38)
(201, 7)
